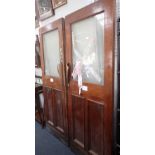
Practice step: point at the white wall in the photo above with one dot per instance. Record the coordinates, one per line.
(71, 6)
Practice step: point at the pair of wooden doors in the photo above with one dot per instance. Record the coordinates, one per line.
(77, 63)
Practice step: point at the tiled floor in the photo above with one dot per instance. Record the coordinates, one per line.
(47, 144)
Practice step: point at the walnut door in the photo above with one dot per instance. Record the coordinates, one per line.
(52, 60)
(89, 65)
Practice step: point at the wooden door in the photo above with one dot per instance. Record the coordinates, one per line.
(89, 52)
(52, 60)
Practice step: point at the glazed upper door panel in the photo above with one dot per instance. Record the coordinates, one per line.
(53, 54)
(89, 65)
(88, 48)
(52, 60)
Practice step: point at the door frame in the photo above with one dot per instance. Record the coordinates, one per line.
(108, 7)
(58, 24)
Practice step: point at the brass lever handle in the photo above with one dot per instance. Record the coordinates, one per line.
(59, 69)
(68, 70)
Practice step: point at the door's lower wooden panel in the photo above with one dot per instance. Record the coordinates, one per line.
(49, 105)
(78, 120)
(58, 109)
(95, 127)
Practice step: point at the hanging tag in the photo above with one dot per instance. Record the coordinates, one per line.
(84, 88)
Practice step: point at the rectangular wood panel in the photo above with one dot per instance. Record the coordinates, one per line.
(45, 103)
(95, 127)
(58, 109)
(49, 105)
(78, 112)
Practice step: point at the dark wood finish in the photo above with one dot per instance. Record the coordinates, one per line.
(55, 92)
(78, 120)
(90, 114)
(55, 111)
(58, 97)
(49, 108)
(95, 127)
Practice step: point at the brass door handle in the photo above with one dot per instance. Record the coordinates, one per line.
(59, 69)
(68, 71)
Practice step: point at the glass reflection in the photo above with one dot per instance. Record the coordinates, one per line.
(88, 45)
(51, 53)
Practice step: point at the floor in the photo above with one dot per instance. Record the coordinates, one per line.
(47, 144)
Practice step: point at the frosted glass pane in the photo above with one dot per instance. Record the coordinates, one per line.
(88, 46)
(51, 52)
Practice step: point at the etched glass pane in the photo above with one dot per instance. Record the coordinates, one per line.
(88, 48)
(51, 52)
